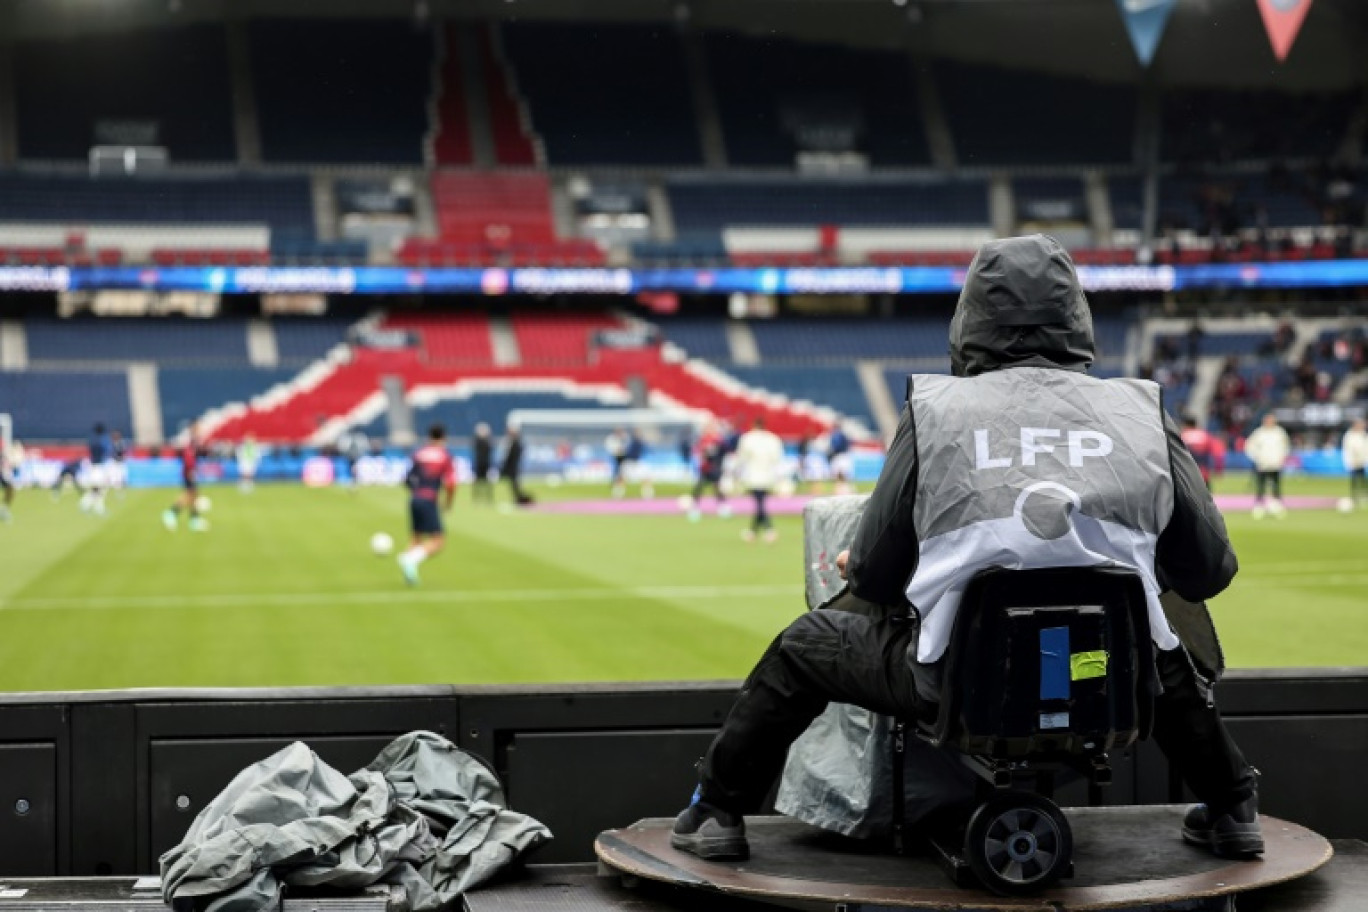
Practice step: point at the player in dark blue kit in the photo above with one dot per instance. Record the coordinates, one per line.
(432, 474)
(97, 472)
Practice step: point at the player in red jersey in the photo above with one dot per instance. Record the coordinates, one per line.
(189, 496)
(432, 474)
(1205, 447)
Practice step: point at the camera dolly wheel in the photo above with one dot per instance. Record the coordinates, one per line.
(1018, 843)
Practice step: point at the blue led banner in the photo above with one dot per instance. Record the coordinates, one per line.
(722, 280)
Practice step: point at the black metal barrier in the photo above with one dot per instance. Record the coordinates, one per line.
(103, 783)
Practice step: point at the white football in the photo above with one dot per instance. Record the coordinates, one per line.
(1345, 505)
(684, 502)
(203, 504)
(382, 543)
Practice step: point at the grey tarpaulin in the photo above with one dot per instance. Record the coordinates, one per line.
(839, 774)
(424, 816)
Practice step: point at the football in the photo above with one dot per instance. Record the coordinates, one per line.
(203, 504)
(382, 543)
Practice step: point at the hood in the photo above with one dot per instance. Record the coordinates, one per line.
(1022, 304)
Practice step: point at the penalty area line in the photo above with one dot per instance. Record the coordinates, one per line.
(396, 597)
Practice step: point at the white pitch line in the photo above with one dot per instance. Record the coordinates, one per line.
(397, 597)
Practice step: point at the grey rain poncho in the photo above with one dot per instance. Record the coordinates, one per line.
(424, 816)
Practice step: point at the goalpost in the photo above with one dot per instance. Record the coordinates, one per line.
(592, 426)
(6, 432)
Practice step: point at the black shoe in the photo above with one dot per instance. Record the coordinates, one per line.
(1232, 834)
(710, 833)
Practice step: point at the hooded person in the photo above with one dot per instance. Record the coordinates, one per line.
(1018, 460)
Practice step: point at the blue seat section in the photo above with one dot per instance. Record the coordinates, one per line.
(304, 339)
(281, 202)
(768, 89)
(459, 416)
(1289, 203)
(837, 388)
(1226, 343)
(1127, 195)
(162, 87)
(165, 341)
(846, 339)
(1218, 125)
(64, 405)
(300, 245)
(712, 204)
(1004, 117)
(701, 337)
(606, 94)
(1050, 199)
(189, 392)
(1109, 337)
(337, 90)
(1230, 201)
(704, 246)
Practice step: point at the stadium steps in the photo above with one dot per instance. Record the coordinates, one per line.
(504, 342)
(144, 403)
(515, 141)
(939, 139)
(741, 342)
(881, 402)
(262, 350)
(246, 127)
(13, 345)
(1206, 373)
(709, 123)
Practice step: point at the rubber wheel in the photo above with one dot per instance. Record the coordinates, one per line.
(1018, 843)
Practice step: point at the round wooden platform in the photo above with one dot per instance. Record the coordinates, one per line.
(1123, 857)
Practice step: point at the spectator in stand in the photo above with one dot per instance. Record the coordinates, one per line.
(1268, 448)
(482, 464)
(1354, 449)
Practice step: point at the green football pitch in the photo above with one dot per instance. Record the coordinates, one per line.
(284, 591)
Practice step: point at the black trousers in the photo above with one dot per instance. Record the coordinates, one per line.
(762, 518)
(1358, 483)
(838, 656)
(1266, 480)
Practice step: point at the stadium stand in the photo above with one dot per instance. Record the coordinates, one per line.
(280, 202)
(1206, 126)
(836, 387)
(501, 217)
(776, 97)
(336, 90)
(701, 337)
(50, 406)
(188, 393)
(451, 141)
(1035, 117)
(300, 340)
(712, 204)
(558, 338)
(626, 103)
(448, 338)
(1126, 193)
(164, 341)
(1050, 199)
(156, 87)
(845, 339)
(515, 145)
